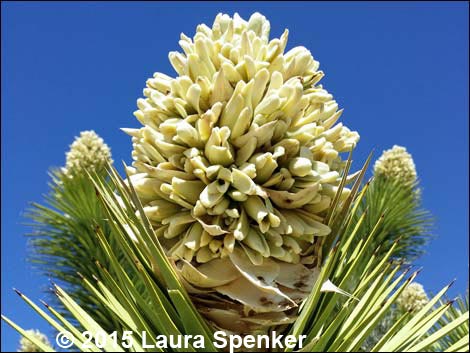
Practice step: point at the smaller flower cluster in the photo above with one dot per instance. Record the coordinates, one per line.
(396, 164)
(413, 298)
(88, 152)
(27, 346)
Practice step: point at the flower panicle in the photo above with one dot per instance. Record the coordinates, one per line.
(237, 163)
(88, 152)
(396, 164)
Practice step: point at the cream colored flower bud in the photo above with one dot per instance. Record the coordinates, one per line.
(217, 149)
(87, 153)
(396, 164)
(300, 166)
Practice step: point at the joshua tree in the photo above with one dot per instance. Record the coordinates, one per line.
(239, 213)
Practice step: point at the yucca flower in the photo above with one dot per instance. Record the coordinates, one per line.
(27, 346)
(88, 152)
(396, 164)
(237, 165)
(413, 298)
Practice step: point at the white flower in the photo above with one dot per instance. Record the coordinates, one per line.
(413, 298)
(396, 164)
(87, 152)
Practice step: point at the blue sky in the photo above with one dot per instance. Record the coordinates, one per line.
(400, 70)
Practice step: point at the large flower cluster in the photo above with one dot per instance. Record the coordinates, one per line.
(237, 164)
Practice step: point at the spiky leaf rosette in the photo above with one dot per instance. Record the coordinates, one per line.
(63, 226)
(237, 165)
(168, 310)
(395, 197)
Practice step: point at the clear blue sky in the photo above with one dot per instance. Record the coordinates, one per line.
(400, 70)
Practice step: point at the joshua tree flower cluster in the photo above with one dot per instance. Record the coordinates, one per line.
(87, 152)
(397, 164)
(238, 162)
(27, 346)
(413, 298)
